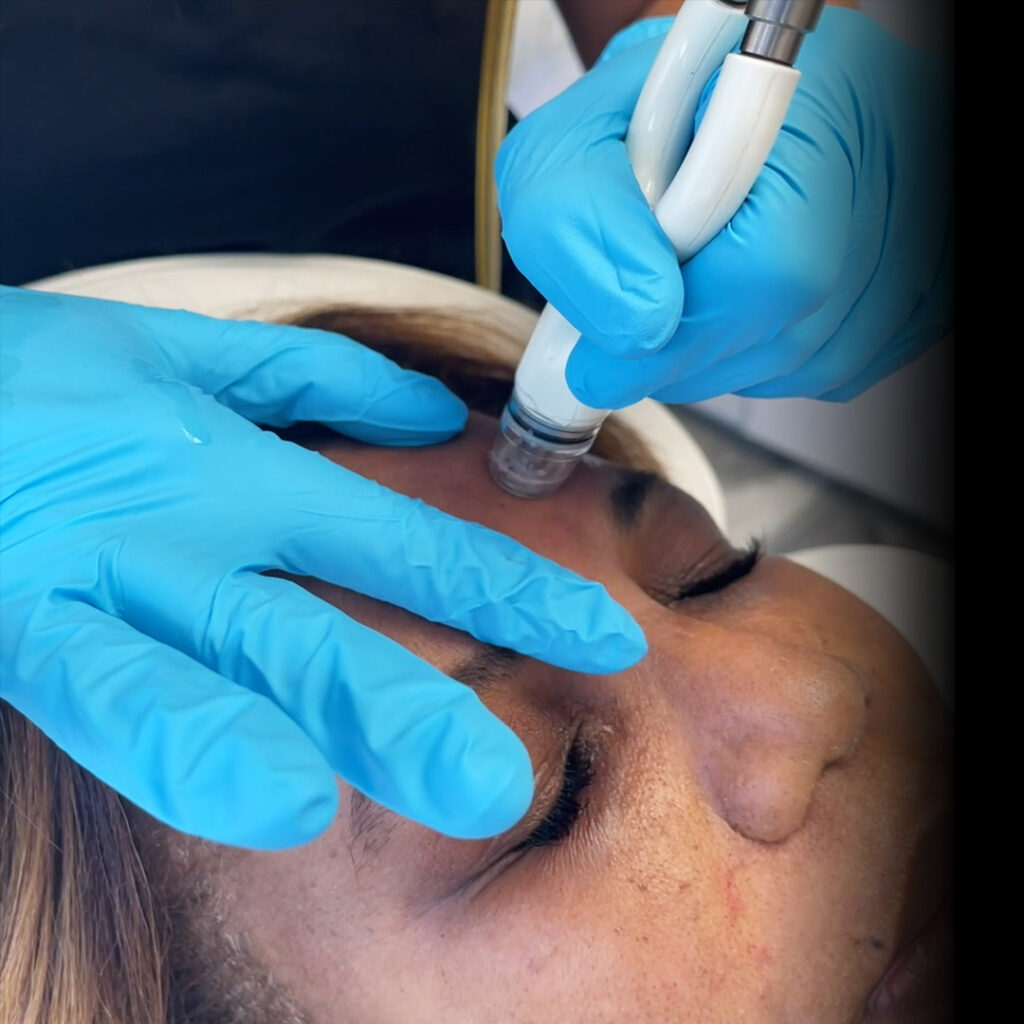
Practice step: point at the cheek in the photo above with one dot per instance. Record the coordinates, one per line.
(680, 926)
(807, 611)
(790, 605)
(611, 949)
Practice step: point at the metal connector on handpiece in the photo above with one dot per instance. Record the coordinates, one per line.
(778, 27)
(532, 457)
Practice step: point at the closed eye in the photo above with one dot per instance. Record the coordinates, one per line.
(723, 577)
(564, 812)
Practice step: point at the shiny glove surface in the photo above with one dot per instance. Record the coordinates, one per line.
(834, 273)
(139, 507)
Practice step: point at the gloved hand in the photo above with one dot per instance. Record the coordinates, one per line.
(835, 272)
(139, 506)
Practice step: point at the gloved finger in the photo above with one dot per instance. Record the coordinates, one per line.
(770, 369)
(669, 375)
(887, 314)
(338, 526)
(574, 218)
(682, 374)
(854, 346)
(866, 342)
(804, 357)
(607, 381)
(390, 724)
(190, 747)
(279, 375)
(928, 323)
(332, 524)
(808, 360)
(887, 362)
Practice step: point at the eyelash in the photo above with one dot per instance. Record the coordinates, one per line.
(736, 570)
(579, 767)
(564, 812)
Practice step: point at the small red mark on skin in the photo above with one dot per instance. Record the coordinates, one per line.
(760, 956)
(715, 983)
(733, 902)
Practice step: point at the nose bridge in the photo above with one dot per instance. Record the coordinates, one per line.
(763, 719)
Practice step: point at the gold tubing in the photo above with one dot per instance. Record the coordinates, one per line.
(491, 126)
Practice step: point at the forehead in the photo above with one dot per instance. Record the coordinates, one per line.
(595, 514)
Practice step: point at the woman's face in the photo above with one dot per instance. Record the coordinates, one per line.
(748, 825)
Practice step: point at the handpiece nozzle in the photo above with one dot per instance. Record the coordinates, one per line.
(531, 457)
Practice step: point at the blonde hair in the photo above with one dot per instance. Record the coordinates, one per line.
(81, 941)
(86, 928)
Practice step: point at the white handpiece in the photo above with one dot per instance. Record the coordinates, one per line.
(545, 430)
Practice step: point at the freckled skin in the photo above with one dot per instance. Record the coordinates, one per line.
(763, 783)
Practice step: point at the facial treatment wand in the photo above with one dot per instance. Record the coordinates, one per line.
(544, 430)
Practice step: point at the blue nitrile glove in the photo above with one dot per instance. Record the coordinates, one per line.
(835, 272)
(139, 505)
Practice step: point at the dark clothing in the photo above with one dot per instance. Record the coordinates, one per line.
(133, 128)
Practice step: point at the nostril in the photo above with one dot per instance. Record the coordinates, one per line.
(767, 799)
(763, 755)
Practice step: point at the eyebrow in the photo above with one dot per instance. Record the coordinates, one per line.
(370, 823)
(487, 665)
(627, 498)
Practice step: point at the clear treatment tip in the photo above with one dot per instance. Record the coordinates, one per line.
(532, 458)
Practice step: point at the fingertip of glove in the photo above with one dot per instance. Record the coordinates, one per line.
(644, 314)
(424, 401)
(606, 637)
(437, 401)
(300, 815)
(316, 814)
(418, 411)
(621, 645)
(599, 380)
(495, 782)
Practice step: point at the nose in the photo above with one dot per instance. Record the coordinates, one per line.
(764, 719)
